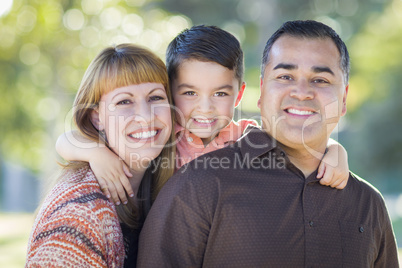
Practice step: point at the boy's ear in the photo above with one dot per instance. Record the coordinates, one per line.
(240, 94)
(95, 120)
(259, 100)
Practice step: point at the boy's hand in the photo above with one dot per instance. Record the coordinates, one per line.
(330, 172)
(112, 175)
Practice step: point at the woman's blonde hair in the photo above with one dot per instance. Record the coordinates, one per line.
(115, 67)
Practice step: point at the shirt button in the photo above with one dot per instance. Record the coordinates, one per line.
(361, 229)
(311, 223)
(189, 139)
(282, 154)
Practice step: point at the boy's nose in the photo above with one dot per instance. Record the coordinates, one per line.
(302, 91)
(204, 105)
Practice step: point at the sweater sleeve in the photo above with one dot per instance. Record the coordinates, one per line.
(76, 227)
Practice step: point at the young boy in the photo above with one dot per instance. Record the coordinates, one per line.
(205, 68)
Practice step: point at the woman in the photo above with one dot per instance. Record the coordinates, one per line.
(123, 102)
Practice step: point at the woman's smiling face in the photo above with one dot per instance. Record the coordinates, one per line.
(137, 122)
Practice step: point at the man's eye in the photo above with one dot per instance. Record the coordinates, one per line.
(320, 81)
(285, 77)
(123, 102)
(220, 94)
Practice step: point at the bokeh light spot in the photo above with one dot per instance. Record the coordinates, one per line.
(7, 36)
(111, 18)
(132, 25)
(41, 75)
(135, 3)
(26, 19)
(151, 39)
(29, 54)
(236, 29)
(251, 10)
(176, 24)
(92, 7)
(73, 19)
(90, 37)
(48, 108)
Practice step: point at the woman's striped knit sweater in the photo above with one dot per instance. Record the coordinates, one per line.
(77, 226)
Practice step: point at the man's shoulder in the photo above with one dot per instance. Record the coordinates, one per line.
(363, 188)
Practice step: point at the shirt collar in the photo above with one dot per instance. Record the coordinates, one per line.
(256, 142)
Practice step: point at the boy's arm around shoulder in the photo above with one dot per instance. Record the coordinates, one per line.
(176, 230)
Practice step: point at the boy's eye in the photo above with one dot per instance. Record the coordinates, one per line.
(156, 98)
(124, 102)
(189, 93)
(220, 94)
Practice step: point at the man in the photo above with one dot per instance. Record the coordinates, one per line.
(258, 203)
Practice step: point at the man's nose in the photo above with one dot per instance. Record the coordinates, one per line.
(302, 90)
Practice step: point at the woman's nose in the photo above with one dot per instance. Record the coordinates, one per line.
(144, 112)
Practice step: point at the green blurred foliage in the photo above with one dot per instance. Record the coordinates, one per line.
(45, 49)
(373, 135)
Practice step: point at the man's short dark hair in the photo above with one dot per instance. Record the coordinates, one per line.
(308, 29)
(208, 44)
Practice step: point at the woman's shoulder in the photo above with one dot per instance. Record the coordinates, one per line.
(78, 187)
(75, 212)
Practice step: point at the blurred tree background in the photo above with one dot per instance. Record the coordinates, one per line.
(45, 47)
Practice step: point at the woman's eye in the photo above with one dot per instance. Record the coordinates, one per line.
(220, 94)
(157, 98)
(123, 102)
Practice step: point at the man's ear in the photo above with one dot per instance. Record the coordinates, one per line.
(95, 120)
(240, 94)
(345, 95)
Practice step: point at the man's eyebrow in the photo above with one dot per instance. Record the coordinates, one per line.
(286, 66)
(320, 69)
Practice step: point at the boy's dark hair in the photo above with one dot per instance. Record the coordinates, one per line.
(205, 43)
(309, 29)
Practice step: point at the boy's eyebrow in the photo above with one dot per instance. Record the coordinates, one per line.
(184, 85)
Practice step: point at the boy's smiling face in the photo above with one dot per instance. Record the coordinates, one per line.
(205, 95)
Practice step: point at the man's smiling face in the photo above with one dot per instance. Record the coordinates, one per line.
(303, 93)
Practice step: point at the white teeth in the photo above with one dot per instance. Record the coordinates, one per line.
(204, 121)
(299, 112)
(144, 135)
